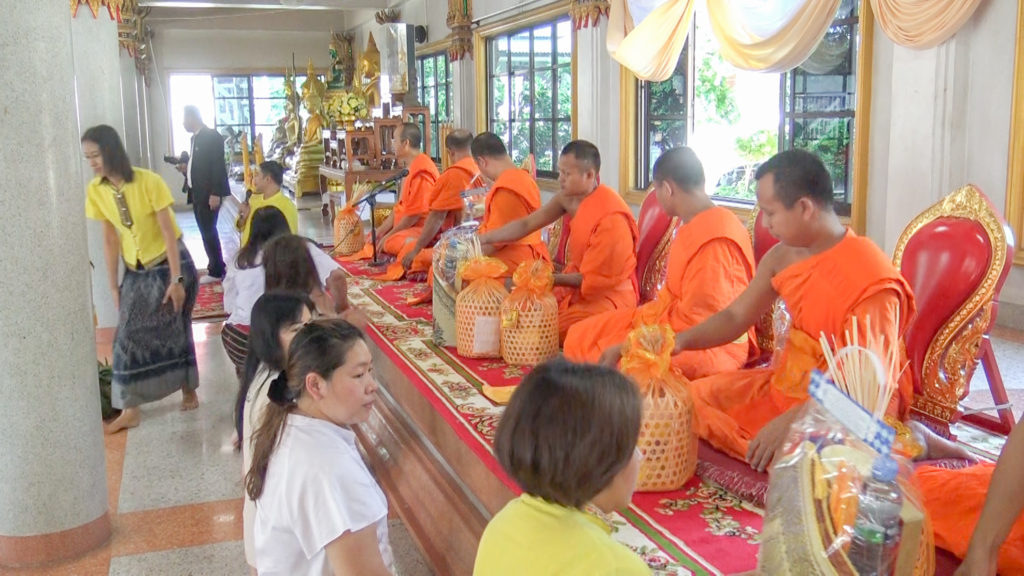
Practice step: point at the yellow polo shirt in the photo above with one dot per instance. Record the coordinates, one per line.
(532, 536)
(145, 195)
(279, 201)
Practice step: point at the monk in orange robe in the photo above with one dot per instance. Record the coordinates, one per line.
(446, 202)
(710, 263)
(982, 505)
(826, 275)
(600, 271)
(405, 222)
(513, 195)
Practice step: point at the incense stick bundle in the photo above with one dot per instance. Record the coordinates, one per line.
(865, 370)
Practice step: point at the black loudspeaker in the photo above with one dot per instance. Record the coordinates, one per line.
(420, 34)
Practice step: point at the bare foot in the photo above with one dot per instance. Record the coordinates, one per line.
(936, 447)
(189, 400)
(129, 418)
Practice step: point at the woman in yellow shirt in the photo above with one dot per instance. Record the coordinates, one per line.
(568, 439)
(154, 354)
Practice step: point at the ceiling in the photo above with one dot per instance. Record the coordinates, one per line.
(279, 15)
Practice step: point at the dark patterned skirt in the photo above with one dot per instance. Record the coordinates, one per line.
(154, 355)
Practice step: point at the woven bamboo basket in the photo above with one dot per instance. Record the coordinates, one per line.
(529, 316)
(668, 439)
(478, 307)
(348, 232)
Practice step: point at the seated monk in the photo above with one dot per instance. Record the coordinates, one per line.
(710, 263)
(983, 500)
(827, 276)
(513, 195)
(445, 206)
(405, 222)
(600, 271)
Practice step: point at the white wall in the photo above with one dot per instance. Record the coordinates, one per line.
(244, 51)
(940, 119)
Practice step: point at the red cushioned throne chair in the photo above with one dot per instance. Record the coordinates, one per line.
(956, 256)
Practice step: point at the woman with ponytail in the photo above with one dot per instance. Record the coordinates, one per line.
(319, 511)
(276, 318)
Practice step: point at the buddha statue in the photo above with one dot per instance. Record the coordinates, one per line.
(369, 74)
(342, 62)
(313, 90)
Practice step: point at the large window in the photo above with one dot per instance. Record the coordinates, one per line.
(434, 79)
(736, 119)
(529, 85)
(251, 104)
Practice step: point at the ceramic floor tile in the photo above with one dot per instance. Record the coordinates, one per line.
(224, 559)
(177, 527)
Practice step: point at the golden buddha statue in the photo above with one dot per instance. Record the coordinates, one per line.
(313, 90)
(369, 74)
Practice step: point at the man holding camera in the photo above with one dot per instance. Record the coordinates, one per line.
(206, 178)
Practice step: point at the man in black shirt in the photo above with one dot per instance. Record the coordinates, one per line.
(206, 177)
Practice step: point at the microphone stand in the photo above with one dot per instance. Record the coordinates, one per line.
(371, 200)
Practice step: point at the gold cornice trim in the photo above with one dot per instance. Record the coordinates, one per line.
(546, 12)
(862, 120)
(1015, 163)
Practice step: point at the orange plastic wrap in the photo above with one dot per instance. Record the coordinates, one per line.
(478, 308)
(529, 316)
(348, 232)
(668, 439)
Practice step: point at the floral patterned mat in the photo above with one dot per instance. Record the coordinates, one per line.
(700, 529)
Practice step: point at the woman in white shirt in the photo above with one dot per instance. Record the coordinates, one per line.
(246, 279)
(318, 509)
(276, 318)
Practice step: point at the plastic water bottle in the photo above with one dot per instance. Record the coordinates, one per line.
(876, 533)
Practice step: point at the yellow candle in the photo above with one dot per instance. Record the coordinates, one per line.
(246, 169)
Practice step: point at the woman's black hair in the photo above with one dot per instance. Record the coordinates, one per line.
(272, 312)
(267, 223)
(115, 159)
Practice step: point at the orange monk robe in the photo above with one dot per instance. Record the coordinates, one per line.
(602, 248)
(710, 262)
(414, 199)
(446, 196)
(954, 500)
(514, 195)
(822, 293)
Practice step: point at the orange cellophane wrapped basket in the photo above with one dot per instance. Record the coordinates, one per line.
(478, 308)
(668, 439)
(348, 232)
(529, 316)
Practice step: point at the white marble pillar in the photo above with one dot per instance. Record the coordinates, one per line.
(98, 85)
(598, 98)
(131, 109)
(464, 93)
(53, 490)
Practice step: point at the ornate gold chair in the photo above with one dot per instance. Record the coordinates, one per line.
(656, 232)
(762, 241)
(956, 256)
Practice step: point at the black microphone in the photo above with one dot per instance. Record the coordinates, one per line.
(401, 174)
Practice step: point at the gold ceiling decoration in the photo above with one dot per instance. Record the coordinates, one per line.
(586, 13)
(115, 8)
(460, 21)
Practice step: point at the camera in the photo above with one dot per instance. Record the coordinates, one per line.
(175, 160)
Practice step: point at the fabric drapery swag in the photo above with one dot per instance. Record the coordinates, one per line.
(647, 36)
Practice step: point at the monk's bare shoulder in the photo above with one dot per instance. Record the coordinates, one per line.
(780, 257)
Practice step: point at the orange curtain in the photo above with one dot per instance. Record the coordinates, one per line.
(922, 23)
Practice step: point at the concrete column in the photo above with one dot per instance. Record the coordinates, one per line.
(464, 94)
(97, 83)
(598, 98)
(131, 109)
(54, 492)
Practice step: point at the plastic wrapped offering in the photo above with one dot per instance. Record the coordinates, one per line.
(529, 316)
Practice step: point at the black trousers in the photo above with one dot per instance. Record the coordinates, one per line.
(206, 219)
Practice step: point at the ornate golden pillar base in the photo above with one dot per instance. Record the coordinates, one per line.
(311, 156)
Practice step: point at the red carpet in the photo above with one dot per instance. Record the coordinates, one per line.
(209, 303)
